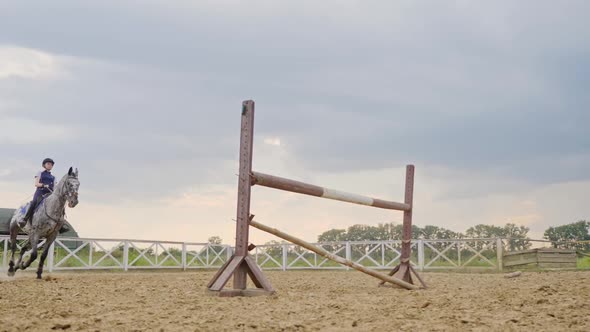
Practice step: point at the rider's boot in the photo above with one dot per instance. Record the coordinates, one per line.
(30, 212)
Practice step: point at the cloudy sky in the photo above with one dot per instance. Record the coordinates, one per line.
(488, 99)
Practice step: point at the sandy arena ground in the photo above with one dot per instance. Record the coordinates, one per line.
(305, 301)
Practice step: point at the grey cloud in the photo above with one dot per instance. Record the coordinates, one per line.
(488, 87)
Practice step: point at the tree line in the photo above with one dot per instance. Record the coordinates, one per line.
(393, 231)
(570, 236)
(574, 235)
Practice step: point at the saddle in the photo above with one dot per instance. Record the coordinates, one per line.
(36, 205)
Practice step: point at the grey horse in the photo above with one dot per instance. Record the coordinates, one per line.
(45, 223)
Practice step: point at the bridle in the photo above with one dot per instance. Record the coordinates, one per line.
(68, 196)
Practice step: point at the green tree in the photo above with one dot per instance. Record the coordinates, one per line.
(215, 244)
(365, 233)
(516, 234)
(215, 240)
(430, 232)
(561, 235)
(517, 237)
(482, 231)
(394, 231)
(274, 249)
(333, 235)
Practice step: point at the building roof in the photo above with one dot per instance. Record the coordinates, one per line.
(6, 215)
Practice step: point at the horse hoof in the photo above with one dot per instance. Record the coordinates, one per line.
(11, 273)
(39, 277)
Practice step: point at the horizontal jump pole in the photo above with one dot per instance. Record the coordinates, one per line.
(329, 255)
(276, 182)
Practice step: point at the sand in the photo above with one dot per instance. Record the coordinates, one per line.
(305, 301)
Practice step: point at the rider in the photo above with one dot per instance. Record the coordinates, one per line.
(44, 182)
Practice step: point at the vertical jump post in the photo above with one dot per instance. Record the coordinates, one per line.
(241, 264)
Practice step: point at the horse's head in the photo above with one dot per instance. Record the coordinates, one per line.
(71, 187)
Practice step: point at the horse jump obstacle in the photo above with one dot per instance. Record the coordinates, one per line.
(241, 264)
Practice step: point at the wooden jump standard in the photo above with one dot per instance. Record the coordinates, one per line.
(241, 265)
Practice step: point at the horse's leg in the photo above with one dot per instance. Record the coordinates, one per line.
(13, 235)
(47, 246)
(34, 239)
(23, 249)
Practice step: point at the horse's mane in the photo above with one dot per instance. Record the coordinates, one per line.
(59, 187)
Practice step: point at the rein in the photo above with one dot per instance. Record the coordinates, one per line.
(45, 208)
(47, 214)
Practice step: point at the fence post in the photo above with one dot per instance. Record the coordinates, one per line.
(126, 256)
(207, 254)
(285, 256)
(459, 253)
(90, 246)
(421, 254)
(383, 255)
(499, 253)
(183, 256)
(229, 252)
(50, 257)
(348, 253)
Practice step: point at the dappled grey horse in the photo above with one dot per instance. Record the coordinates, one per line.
(46, 222)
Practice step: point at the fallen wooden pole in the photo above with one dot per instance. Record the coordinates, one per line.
(328, 255)
(513, 274)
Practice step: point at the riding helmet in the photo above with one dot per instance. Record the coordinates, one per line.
(47, 160)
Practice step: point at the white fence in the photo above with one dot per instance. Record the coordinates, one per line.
(125, 254)
(426, 255)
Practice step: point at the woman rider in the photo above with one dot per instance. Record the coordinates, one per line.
(44, 182)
